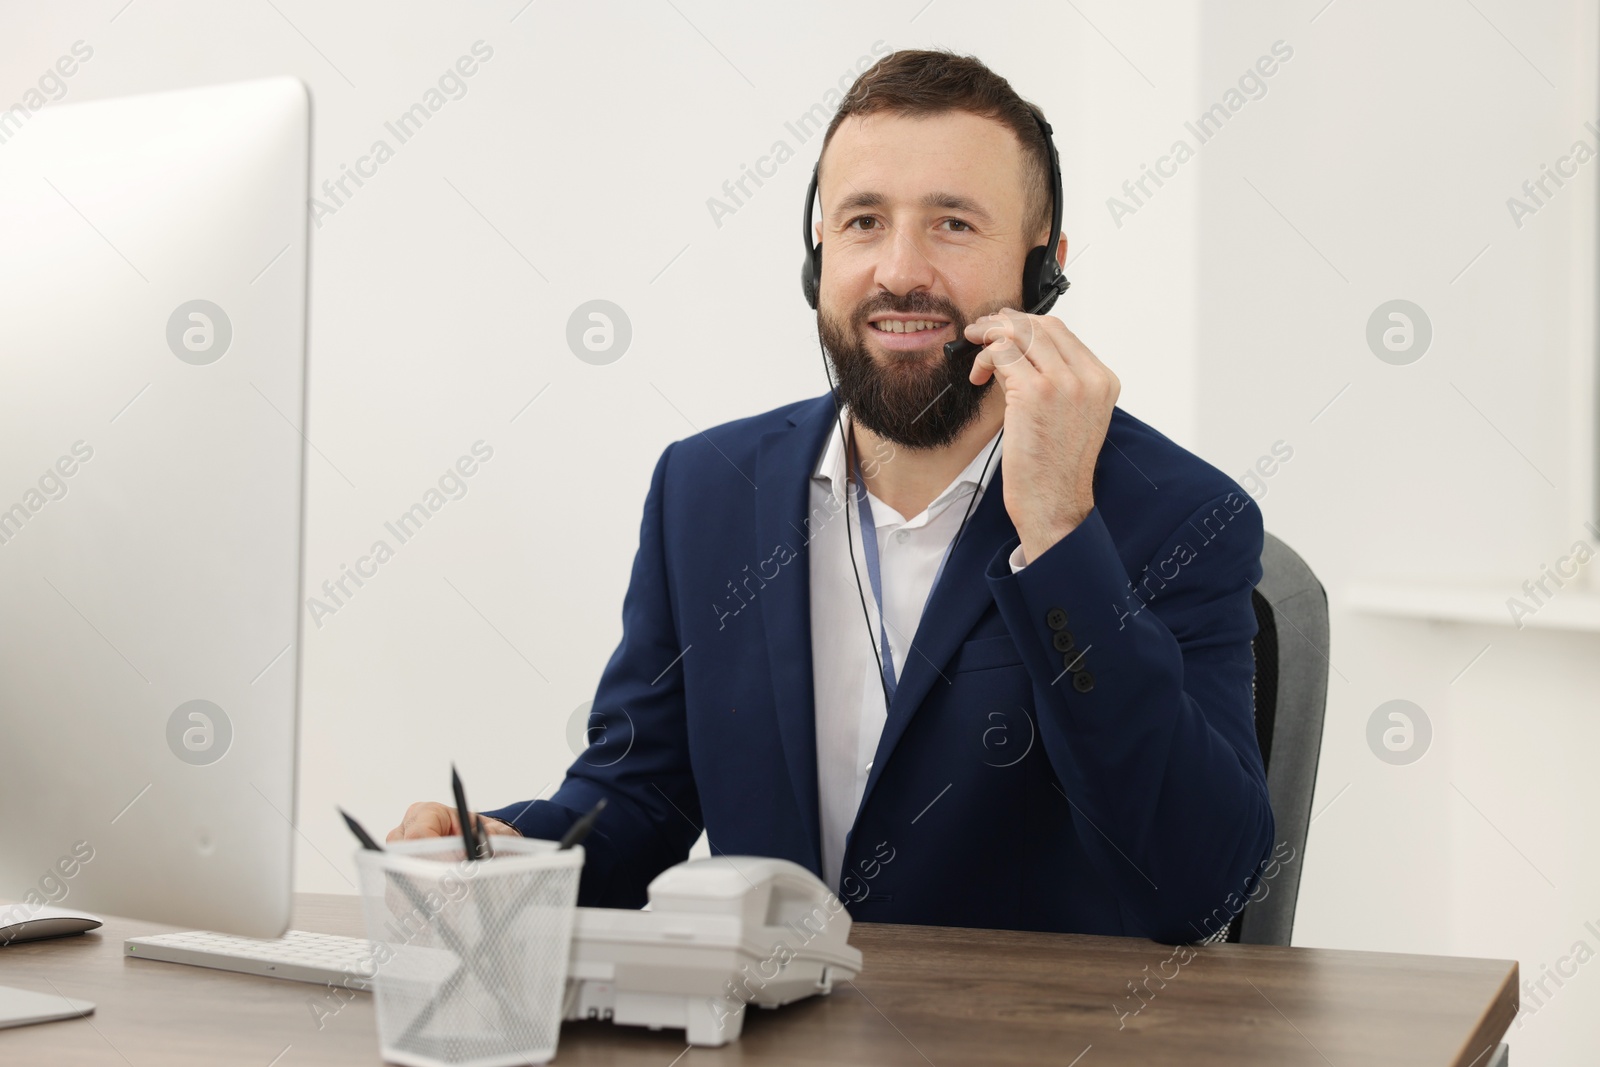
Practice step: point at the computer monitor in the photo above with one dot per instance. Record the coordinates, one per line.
(153, 278)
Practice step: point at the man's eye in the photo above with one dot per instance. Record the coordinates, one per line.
(860, 218)
(958, 222)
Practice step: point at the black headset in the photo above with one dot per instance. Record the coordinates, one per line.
(1042, 278)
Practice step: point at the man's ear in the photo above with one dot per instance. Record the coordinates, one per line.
(816, 228)
(1061, 250)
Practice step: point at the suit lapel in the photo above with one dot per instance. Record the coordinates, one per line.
(958, 601)
(784, 462)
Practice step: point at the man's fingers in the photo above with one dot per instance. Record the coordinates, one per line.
(1078, 355)
(1094, 373)
(1008, 337)
(1043, 343)
(992, 359)
(425, 819)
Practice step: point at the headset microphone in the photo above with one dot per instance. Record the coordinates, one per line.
(963, 347)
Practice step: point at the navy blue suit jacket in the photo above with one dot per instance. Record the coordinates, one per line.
(1005, 793)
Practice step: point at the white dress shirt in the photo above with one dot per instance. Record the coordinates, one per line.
(850, 712)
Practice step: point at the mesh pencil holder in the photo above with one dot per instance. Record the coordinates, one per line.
(469, 958)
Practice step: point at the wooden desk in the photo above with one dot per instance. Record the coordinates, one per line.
(927, 995)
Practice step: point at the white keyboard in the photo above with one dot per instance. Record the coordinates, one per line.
(298, 956)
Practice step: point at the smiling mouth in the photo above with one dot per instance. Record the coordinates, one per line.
(912, 326)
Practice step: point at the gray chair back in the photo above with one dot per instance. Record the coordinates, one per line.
(1291, 696)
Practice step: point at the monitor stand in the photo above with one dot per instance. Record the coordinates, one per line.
(22, 1007)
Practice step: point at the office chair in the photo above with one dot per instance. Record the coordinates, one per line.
(1291, 695)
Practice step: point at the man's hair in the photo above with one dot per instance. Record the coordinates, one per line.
(917, 82)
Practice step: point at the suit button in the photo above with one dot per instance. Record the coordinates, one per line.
(1083, 681)
(1062, 640)
(1056, 619)
(1071, 659)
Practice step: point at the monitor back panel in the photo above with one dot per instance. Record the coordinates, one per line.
(153, 279)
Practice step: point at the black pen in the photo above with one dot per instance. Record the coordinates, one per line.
(474, 837)
(581, 828)
(361, 832)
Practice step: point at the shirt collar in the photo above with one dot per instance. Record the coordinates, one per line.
(830, 467)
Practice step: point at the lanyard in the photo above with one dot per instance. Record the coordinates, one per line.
(869, 548)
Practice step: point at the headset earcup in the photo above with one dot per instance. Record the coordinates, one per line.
(1038, 272)
(811, 275)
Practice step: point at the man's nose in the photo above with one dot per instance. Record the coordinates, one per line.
(905, 264)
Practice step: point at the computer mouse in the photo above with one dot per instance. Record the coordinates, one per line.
(22, 922)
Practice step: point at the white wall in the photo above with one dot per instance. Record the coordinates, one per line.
(1389, 144)
(578, 166)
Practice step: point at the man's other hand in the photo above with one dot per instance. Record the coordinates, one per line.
(428, 819)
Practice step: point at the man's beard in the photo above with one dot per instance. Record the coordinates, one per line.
(912, 399)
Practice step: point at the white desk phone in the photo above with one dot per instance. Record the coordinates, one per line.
(718, 933)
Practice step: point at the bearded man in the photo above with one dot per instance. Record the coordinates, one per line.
(961, 685)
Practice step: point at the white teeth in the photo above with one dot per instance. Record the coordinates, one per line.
(913, 326)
